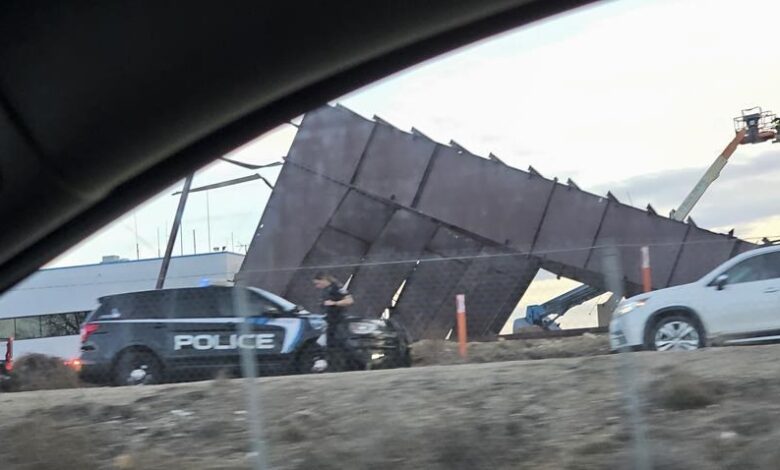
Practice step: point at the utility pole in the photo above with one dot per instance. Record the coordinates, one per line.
(174, 230)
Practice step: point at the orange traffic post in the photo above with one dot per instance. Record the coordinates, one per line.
(647, 280)
(460, 300)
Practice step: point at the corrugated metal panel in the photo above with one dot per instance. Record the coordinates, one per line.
(513, 275)
(485, 197)
(390, 260)
(702, 252)
(300, 206)
(374, 286)
(331, 142)
(361, 216)
(743, 246)
(394, 164)
(486, 296)
(450, 243)
(629, 229)
(570, 226)
(432, 284)
(492, 285)
(514, 297)
(335, 253)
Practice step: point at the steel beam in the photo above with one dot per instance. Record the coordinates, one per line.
(394, 164)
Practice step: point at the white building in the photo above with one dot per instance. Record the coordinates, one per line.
(44, 311)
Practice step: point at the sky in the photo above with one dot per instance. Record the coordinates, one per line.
(633, 96)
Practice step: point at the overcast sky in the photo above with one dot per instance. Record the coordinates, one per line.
(635, 96)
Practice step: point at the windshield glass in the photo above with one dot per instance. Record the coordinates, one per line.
(463, 232)
(283, 304)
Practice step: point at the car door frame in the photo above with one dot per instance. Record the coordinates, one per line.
(262, 321)
(718, 304)
(214, 320)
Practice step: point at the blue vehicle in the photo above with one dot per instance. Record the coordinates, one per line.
(194, 333)
(546, 314)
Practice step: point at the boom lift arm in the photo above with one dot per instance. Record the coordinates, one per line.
(707, 179)
(752, 127)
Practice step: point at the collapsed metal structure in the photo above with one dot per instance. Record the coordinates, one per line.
(397, 211)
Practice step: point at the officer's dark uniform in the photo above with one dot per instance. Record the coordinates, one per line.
(334, 316)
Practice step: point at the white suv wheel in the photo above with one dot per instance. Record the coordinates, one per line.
(676, 334)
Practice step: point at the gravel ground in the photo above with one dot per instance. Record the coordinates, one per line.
(715, 408)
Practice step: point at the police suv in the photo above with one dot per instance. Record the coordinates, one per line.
(193, 333)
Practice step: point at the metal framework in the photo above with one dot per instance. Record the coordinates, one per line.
(386, 208)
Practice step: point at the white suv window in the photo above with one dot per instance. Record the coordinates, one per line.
(757, 268)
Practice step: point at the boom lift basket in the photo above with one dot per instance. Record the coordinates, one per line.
(760, 125)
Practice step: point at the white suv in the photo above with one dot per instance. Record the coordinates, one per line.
(736, 303)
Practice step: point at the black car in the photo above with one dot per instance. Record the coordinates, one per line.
(194, 333)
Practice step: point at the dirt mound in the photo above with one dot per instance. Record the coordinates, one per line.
(678, 390)
(40, 372)
(435, 352)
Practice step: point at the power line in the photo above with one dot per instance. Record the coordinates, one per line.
(399, 261)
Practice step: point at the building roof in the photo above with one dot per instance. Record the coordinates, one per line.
(77, 288)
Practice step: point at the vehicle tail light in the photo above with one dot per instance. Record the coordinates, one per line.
(74, 364)
(87, 329)
(9, 355)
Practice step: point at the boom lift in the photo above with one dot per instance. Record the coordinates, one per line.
(753, 126)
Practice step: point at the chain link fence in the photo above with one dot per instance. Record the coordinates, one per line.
(227, 376)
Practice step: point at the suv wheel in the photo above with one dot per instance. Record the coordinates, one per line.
(404, 358)
(137, 368)
(311, 360)
(676, 333)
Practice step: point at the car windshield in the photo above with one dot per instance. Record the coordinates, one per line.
(283, 304)
(464, 232)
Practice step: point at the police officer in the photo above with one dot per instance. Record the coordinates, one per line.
(335, 299)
